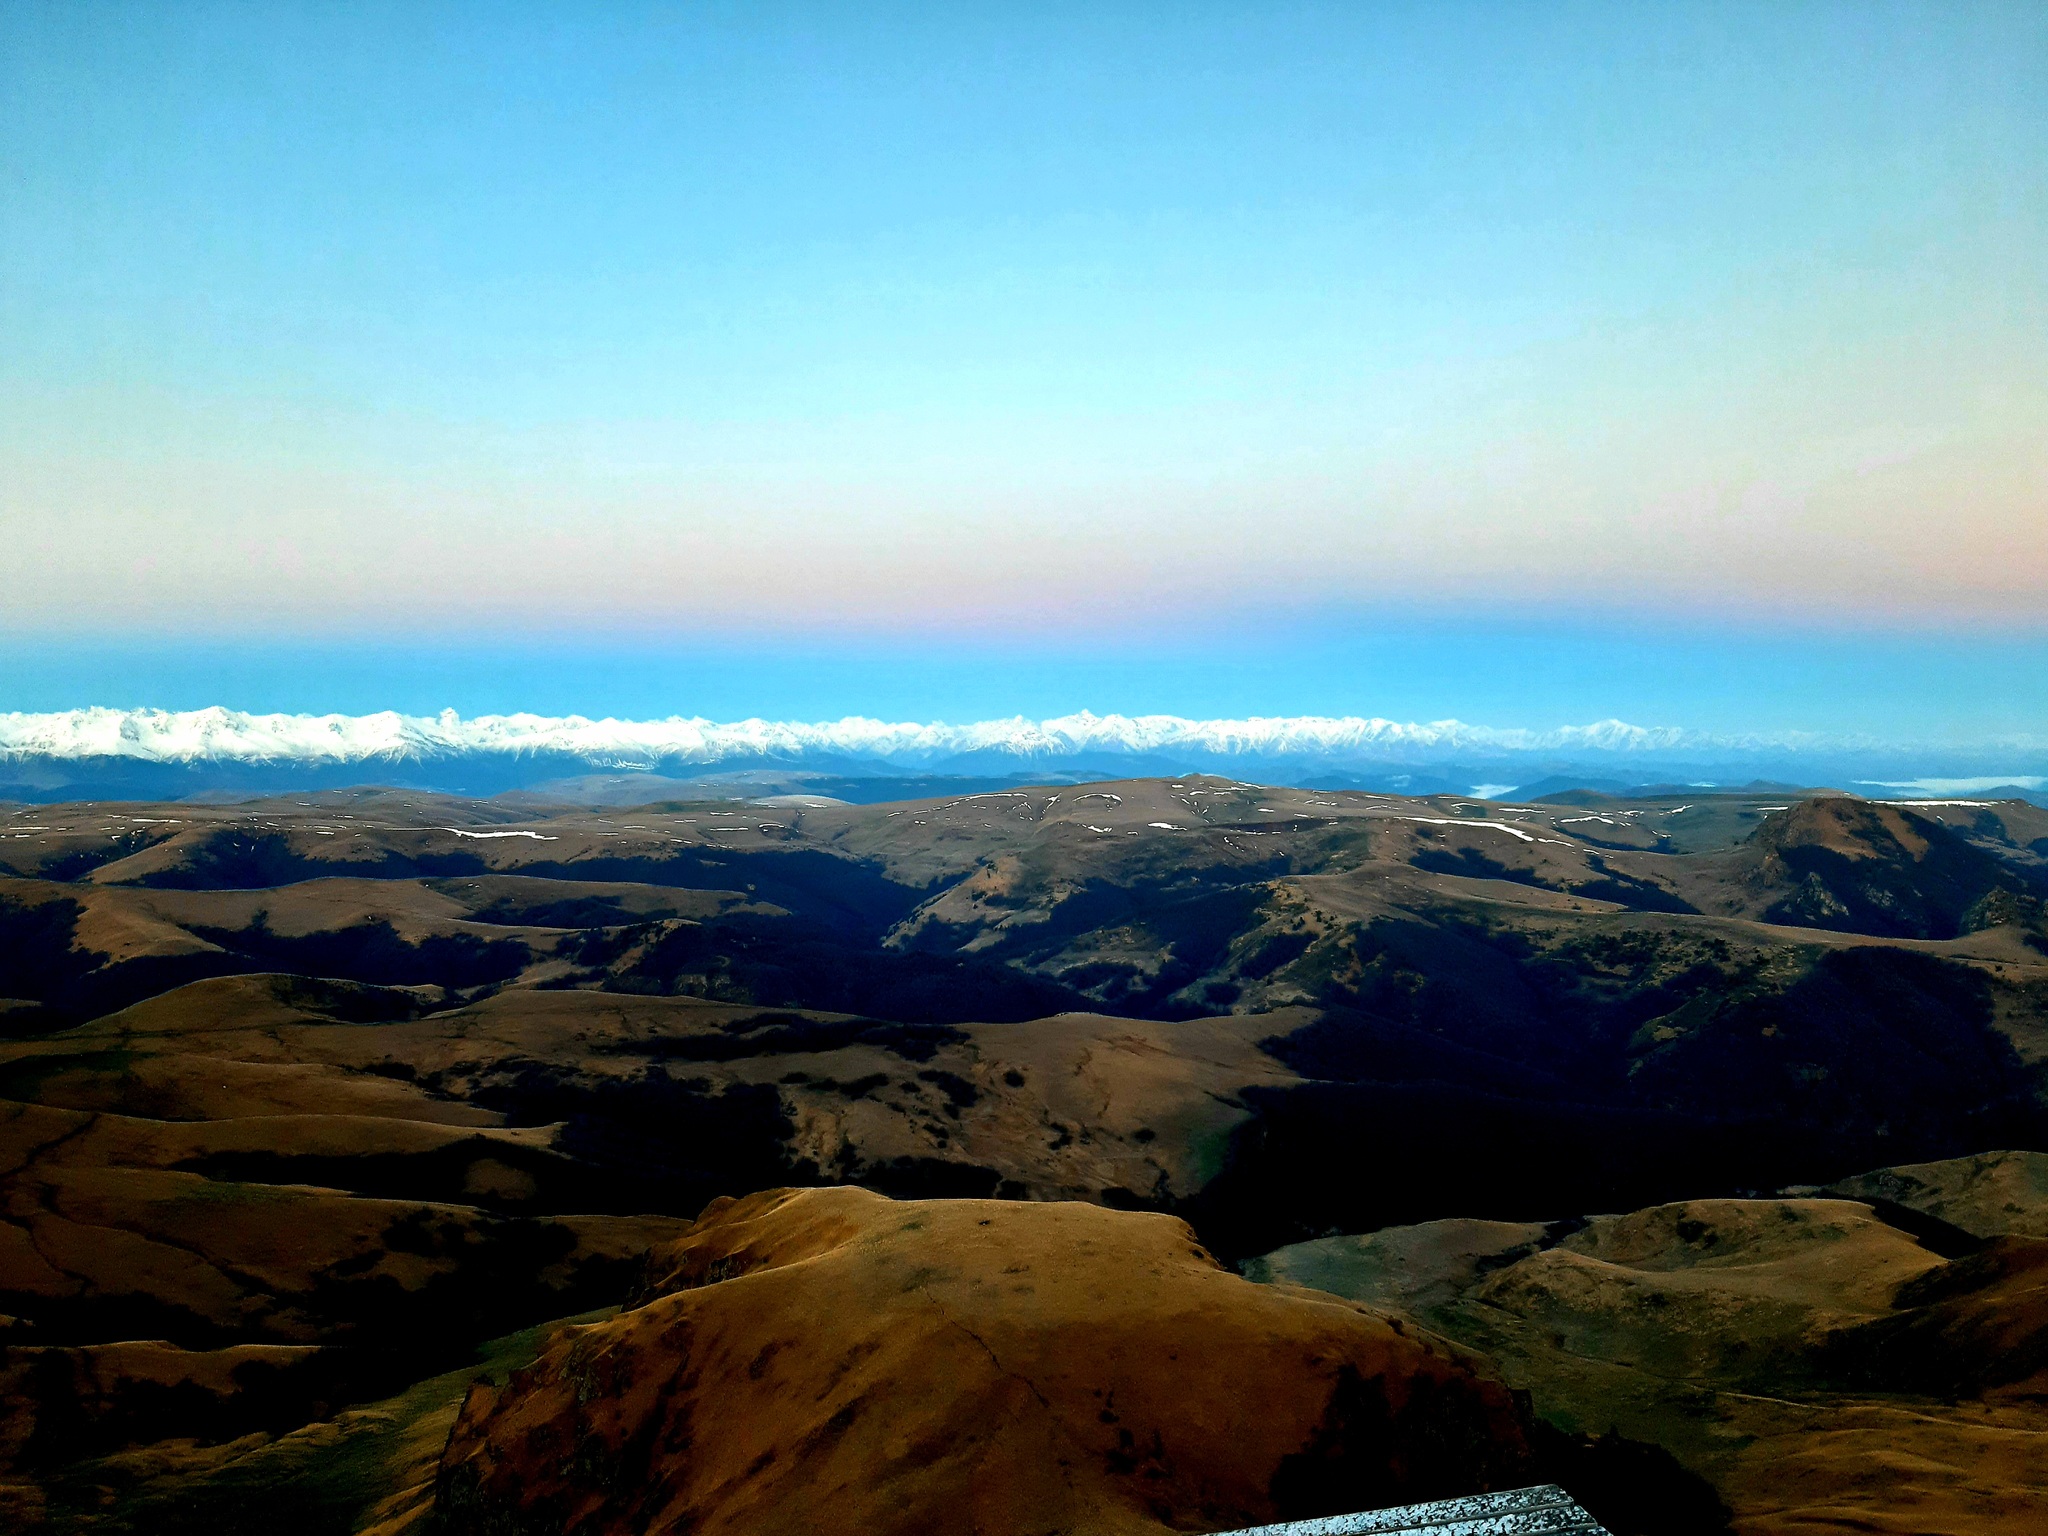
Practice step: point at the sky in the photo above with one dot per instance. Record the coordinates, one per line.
(1522, 364)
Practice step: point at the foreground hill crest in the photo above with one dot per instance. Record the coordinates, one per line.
(828, 1360)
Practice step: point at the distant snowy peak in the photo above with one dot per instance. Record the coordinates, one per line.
(230, 736)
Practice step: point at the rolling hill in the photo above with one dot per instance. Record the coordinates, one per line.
(308, 1101)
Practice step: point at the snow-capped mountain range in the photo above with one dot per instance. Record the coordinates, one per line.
(159, 752)
(226, 735)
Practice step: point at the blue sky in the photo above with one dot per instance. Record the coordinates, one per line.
(1516, 363)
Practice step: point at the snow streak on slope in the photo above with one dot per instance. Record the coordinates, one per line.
(225, 735)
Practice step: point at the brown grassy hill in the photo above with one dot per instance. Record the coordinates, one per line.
(378, 1075)
(1974, 1328)
(267, 1162)
(828, 1360)
(1563, 974)
(625, 1100)
(1866, 867)
(368, 1467)
(1823, 1369)
(1993, 1194)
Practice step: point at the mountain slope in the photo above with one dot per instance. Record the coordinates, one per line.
(837, 1362)
(1822, 1368)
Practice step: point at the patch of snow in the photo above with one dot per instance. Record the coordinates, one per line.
(1498, 826)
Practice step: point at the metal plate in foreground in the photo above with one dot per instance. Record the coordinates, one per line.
(1544, 1511)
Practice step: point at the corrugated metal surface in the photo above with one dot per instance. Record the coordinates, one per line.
(1545, 1511)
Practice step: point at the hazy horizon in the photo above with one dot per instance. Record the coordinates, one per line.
(109, 754)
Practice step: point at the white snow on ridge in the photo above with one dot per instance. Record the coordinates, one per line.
(225, 735)
(1497, 826)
